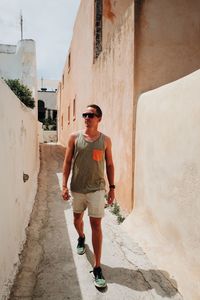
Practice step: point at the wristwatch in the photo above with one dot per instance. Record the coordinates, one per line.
(112, 186)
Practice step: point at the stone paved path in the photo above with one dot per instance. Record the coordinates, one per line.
(50, 267)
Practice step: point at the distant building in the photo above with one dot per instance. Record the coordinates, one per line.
(47, 103)
(19, 62)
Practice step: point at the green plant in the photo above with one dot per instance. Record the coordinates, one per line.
(120, 219)
(50, 122)
(115, 209)
(21, 91)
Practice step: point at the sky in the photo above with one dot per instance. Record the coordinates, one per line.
(48, 22)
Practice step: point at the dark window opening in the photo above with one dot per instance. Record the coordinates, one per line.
(55, 115)
(68, 115)
(74, 109)
(98, 22)
(62, 122)
(63, 80)
(41, 111)
(69, 62)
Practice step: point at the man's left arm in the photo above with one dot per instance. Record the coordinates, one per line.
(109, 170)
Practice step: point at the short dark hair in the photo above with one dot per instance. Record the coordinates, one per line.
(98, 109)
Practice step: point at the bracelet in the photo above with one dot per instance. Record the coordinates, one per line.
(112, 186)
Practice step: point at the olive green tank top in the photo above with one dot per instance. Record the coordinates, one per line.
(88, 165)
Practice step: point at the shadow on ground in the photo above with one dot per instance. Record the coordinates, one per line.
(47, 269)
(139, 280)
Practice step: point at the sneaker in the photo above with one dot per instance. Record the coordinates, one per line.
(99, 280)
(81, 245)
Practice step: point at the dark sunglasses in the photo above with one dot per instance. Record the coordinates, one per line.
(89, 115)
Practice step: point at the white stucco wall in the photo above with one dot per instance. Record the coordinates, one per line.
(165, 220)
(18, 154)
(19, 62)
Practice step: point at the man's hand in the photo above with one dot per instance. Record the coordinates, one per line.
(111, 196)
(65, 193)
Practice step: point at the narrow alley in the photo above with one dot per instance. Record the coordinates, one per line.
(50, 267)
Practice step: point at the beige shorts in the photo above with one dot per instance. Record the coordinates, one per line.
(95, 202)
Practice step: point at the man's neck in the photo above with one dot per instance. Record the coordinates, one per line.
(91, 132)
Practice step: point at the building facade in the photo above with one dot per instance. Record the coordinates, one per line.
(96, 71)
(134, 60)
(124, 49)
(47, 106)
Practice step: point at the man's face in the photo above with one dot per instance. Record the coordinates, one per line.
(90, 117)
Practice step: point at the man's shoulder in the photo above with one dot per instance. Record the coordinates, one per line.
(75, 134)
(106, 137)
(107, 140)
(72, 138)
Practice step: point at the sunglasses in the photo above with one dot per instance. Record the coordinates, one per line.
(89, 115)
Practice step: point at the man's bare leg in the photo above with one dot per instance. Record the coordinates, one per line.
(96, 239)
(78, 223)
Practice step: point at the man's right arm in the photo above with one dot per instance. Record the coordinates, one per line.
(67, 165)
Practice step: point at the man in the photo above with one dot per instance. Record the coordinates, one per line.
(87, 150)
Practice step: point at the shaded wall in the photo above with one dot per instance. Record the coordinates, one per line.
(167, 44)
(165, 220)
(107, 82)
(19, 154)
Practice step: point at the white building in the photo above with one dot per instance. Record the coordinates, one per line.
(19, 62)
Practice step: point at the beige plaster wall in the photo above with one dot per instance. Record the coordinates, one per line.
(112, 11)
(19, 153)
(77, 81)
(109, 83)
(113, 91)
(167, 44)
(165, 220)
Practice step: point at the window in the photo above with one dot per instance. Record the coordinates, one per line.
(54, 114)
(74, 109)
(62, 122)
(69, 62)
(63, 80)
(68, 114)
(98, 20)
(41, 110)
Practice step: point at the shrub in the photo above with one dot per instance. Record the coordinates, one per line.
(21, 91)
(115, 210)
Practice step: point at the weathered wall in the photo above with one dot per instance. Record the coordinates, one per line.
(165, 220)
(19, 62)
(77, 80)
(167, 44)
(112, 11)
(18, 154)
(109, 83)
(113, 91)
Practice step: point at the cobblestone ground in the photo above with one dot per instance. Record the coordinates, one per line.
(50, 267)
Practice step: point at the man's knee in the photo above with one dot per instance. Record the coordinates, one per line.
(78, 217)
(95, 223)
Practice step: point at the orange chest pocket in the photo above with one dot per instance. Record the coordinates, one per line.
(97, 154)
